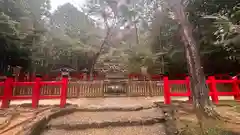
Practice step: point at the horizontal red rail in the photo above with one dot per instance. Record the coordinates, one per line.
(37, 84)
(224, 81)
(18, 97)
(211, 81)
(23, 83)
(52, 83)
(30, 97)
(50, 97)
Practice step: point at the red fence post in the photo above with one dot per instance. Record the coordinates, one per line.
(63, 98)
(188, 89)
(7, 93)
(213, 89)
(36, 91)
(167, 98)
(235, 88)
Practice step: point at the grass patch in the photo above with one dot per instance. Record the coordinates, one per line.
(230, 103)
(187, 122)
(213, 128)
(208, 131)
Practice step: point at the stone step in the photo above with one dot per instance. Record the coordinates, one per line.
(156, 129)
(110, 108)
(83, 120)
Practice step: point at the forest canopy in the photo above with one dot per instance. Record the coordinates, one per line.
(145, 33)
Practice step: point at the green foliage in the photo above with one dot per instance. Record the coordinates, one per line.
(215, 29)
(8, 26)
(18, 42)
(148, 36)
(74, 33)
(9, 38)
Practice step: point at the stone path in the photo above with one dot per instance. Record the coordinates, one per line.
(147, 120)
(113, 101)
(109, 122)
(139, 122)
(133, 130)
(91, 117)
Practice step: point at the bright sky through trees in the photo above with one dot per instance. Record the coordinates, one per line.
(56, 3)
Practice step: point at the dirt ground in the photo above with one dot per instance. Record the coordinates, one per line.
(13, 118)
(229, 110)
(110, 101)
(133, 130)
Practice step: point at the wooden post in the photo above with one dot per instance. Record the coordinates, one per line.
(213, 89)
(188, 89)
(167, 98)
(150, 86)
(102, 88)
(36, 92)
(235, 89)
(8, 90)
(63, 98)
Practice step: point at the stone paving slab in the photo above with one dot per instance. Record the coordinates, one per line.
(110, 102)
(98, 117)
(156, 129)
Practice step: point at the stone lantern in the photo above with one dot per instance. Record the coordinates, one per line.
(26, 25)
(144, 71)
(64, 72)
(85, 73)
(16, 71)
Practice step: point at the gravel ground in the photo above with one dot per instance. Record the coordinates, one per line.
(19, 116)
(118, 101)
(112, 101)
(89, 117)
(156, 129)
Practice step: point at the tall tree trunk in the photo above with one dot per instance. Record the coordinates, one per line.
(95, 58)
(136, 33)
(202, 105)
(199, 88)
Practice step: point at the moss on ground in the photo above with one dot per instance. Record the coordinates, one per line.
(187, 123)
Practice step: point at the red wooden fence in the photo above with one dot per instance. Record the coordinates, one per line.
(213, 92)
(9, 84)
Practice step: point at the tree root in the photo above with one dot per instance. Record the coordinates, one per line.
(213, 114)
(210, 112)
(23, 122)
(170, 121)
(14, 126)
(8, 121)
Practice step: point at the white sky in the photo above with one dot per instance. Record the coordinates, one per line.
(56, 3)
